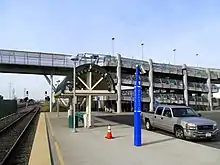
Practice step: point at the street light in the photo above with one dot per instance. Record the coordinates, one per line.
(74, 59)
(174, 56)
(142, 70)
(142, 51)
(113, 46)
(197, 61)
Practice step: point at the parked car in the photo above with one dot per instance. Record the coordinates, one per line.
(183, 121)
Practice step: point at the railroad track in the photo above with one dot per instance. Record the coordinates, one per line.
(9, 119)
(11, 134)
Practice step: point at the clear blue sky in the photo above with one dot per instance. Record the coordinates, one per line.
(73, 26)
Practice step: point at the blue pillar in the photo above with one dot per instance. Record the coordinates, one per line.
(137, 109)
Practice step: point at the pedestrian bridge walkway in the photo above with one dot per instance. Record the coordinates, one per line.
(13, 61)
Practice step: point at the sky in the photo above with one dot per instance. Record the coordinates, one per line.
(74, 26)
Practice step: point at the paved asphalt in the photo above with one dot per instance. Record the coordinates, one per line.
(128, 120)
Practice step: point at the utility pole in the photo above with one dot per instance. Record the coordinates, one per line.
(13, 93)
(9, 90)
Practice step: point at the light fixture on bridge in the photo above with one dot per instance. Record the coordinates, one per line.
(142, 69)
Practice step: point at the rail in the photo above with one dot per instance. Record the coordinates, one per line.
(20, 126)
(34, 58)
(9, 119)
(50, 59)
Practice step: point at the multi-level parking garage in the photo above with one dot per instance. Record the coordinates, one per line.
(167, 84)
(179, 84)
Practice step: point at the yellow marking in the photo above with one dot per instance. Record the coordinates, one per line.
(58, 151)
(40, 153)
(59, 154)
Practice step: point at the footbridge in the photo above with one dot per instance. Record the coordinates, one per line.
(92, 78)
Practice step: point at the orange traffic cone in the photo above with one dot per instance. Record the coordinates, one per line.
(109, 133)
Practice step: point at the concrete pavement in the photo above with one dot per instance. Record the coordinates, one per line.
(127, 119)
(89, 147)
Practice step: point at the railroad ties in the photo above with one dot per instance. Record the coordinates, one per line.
(15, 144)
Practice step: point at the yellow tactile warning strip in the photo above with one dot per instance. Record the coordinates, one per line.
(58, 151)
(40, 153)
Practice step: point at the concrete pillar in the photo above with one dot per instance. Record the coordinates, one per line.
(210, 89)
(151, 87)
(70, 106)
(114, 105)
(58, 107)
(118, 87)
(90, 111)
(51, 92)
(89, 99)
(185, 85)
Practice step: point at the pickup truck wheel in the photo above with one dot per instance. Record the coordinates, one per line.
(179, 133)
(148, 125)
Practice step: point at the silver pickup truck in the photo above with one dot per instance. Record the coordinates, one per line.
(183, 121)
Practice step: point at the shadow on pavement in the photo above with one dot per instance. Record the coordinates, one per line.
(158, 141)
(117, 137)
(104, 125)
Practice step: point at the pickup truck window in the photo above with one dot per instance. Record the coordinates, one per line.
(184, 112)
(159, 110)
(167, 112)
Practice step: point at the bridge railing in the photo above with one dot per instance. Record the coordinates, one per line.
(53, 59)
(34, 58)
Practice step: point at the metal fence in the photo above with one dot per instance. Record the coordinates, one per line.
(51, 59)
(34, 58)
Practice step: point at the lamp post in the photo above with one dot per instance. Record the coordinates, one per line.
(197, 59)
(113, 46)
(174, 56)
(142, 51)
(74, 59)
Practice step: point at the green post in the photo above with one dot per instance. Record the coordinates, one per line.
(70, 121)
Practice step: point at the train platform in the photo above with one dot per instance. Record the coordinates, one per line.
(40, 153)
(89, 146)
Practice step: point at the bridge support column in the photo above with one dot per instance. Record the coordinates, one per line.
(210, 89)
(58, 107)
(89, 99)
(185, 85)
(151, 87)
(51, 92)
(118, 87)
(89, 110)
